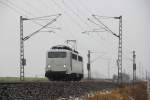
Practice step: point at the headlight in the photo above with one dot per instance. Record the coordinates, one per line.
(49, 66)
(64, 66)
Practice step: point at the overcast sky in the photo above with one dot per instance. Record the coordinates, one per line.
(136, 34)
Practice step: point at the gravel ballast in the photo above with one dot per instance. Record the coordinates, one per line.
(47, 90)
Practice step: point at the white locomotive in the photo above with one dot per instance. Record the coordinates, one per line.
(63, 63)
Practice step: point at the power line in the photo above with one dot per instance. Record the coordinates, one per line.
(97, 24)
(105, 26)
(26, 12)
(104, 17)
(67, 14)
(32, 6)
(99, 57)
(70, 17)
(23, 39)
(16, 10)
(106, 29)
(19, 7)
(85, 7)
(5, 4)
(41, 18)
(119, 60)
(75, 13)
(27, 37)
(103, 43)
(79, 5)
(102, 30)
(45, 5)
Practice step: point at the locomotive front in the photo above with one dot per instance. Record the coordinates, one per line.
(62, 65)
(56, 64)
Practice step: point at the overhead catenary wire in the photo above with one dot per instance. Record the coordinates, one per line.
(99, 57)
(87, 10)
(15, 10)
(104, 17)
(55, 3)
(78, 5)
(28, 17)
(105, 26)
(46, 19)
(46, 6)
(28, 4)
(27, 37)
(78, 24)
(32, 6)
(42, 18)
(97, 24)
(124, 41)
(19, 7)
(26, 12)
(82, 20)
(102, 29)
(75, 13)
(120, 43)
(105, 46)
(69, 16)
(20, 13)
(85, 7)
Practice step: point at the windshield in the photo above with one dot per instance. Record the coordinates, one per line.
(56, 54)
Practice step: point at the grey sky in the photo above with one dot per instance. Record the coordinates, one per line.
(136, 33)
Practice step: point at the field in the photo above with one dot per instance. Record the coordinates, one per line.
(126, 92)
(17, 79)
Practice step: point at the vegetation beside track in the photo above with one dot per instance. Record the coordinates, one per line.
(17, 79)
(125, 92)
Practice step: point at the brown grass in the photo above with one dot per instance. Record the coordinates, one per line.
(137, 92)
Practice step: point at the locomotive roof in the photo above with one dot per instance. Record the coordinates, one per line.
(64, 47)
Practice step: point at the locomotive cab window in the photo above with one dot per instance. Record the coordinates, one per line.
(74, 56)
(56, 54)
(80, 58)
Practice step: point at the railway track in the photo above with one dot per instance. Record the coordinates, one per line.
(46, 90)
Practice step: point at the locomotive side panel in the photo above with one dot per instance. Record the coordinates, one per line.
(77, 66)
(68, 63)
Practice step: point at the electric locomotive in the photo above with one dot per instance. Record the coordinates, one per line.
(63, 63)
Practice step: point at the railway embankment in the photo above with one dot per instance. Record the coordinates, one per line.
(49, 90)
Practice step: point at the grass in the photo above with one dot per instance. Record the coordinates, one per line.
(27, 79)
(137, 92)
